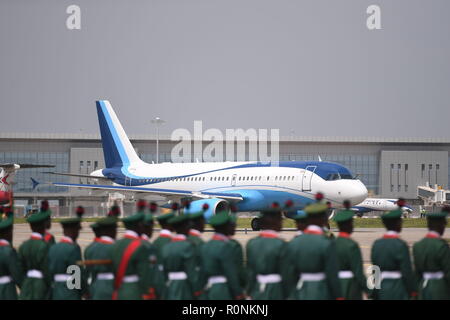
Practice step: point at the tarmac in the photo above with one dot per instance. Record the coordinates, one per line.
(364, 236)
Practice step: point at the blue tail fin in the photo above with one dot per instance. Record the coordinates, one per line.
(117, 148)
(34, 182)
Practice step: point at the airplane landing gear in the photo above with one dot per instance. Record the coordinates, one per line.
(255, 224)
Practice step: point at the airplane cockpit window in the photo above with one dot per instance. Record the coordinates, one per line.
(346, 176)
(333, 176)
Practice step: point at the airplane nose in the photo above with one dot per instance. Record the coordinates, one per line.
(359, 192)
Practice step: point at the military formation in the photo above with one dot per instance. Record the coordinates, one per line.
(180, 265)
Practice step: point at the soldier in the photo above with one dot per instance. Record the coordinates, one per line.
(391, 255)
(33, 254)
(180, 263)
(218, 261)
(238, 252)
(101, 274)
(351, 275)
(130, 261)
(10, 275)
(165, 236)
(150, 277)
(267, 259)
(432, 259)
(197, 221)
(63, 255)
(313, 259)
(48, 237)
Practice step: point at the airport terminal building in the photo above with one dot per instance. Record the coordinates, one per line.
(389, 167)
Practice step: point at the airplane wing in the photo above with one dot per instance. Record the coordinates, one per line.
(77, 175)
(24, 166)
(156, 191)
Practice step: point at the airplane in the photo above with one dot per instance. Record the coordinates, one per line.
(7, 174)
(378, 204)
(250, 186)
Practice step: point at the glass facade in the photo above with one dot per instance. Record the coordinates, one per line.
(22, 179)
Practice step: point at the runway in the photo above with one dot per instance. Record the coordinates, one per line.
(364, 236)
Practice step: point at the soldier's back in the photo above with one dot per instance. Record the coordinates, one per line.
(102, 276)
(61, 256)
(10, 273)
(33, 255)
(432, 262)
(314, 262)
(132, 287)
(391, 255)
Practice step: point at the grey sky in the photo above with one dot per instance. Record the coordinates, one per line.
(308, 66)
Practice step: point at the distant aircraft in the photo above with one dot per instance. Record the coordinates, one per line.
(378, 204)
(251, 186)
(7, 174)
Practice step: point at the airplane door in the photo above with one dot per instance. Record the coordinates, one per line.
(307, 177)
(233, 180)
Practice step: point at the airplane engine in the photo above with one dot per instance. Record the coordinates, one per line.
(214, 206)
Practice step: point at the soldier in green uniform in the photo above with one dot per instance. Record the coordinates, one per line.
(33, 254)
(432, 259)
(313, 259)
(10, 275)
(197, 221)
(101, 274)
(179, 260)
(391, 255)
(218, 261)
(351, 275)
(63, 256)
(130, 261)
(238, 252)
(150, 280)
(164, 237)
(267, 260)
(48, 237)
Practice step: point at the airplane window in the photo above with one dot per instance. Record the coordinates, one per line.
(346, 176)
(268, 178)
(228, 178)
(333, 176)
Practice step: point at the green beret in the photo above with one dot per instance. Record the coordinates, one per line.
(107, 221)
(133, 219)
(196, 215)
(38, 217)
(299, 215)
(6, 220)
(148, 218)
(394, 214)
(344, 215)
(316, 208)
(179, 219)
(68, 221)
(437, 215)
(165, 217)
(222, 218)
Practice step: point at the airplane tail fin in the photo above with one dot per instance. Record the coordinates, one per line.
(34, 182)
(6, 179)
(117, 148)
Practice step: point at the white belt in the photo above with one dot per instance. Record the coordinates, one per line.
(317, 276)
(61, 277)
(35, 274)
(433, 275)
(105, 276)
(180, 275)
(391, 275)
(131, 278)
(216, 279)
(345, 274)
(5, 279)
(305, 277)
(268, 278)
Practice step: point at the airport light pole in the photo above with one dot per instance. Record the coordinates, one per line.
(157, 121)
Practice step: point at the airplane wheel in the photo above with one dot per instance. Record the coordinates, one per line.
(255, 224)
